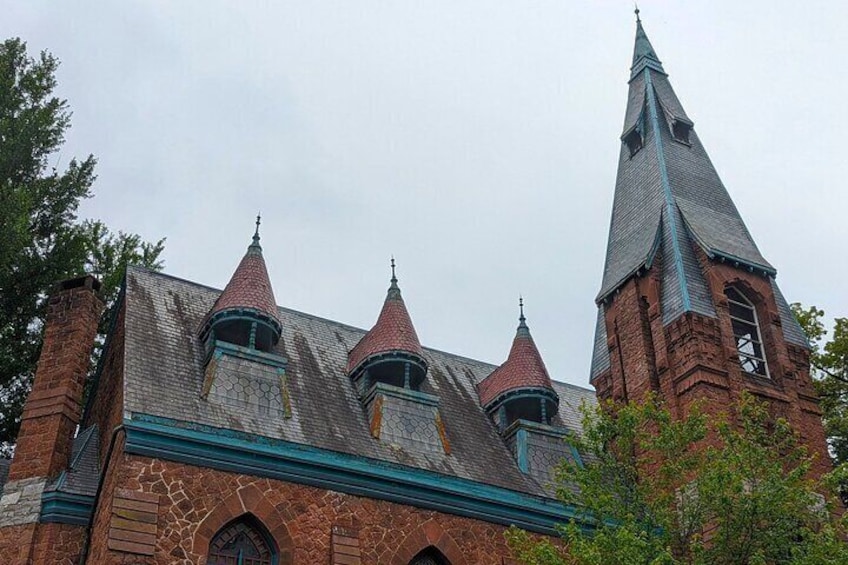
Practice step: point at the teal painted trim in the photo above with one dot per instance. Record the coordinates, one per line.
(249, 354)
(392, 356)
(521, 450)
(527, 392)
(238, 452)
(66, 508)
(403, 393)
(536, 427)
(247, 314)
(766, 271)
(669, 199)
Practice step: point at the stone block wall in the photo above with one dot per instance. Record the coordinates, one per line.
(310, 525)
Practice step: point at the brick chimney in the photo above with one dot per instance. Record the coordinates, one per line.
(53, 408)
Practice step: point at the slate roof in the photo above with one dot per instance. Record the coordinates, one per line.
(668, 197)
(164, 373)
(250, 286)
(84, 472)
(524, 368)
(393, 331)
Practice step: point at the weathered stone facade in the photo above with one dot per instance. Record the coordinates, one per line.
(194, 503)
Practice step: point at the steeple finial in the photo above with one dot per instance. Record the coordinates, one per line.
(636, 11)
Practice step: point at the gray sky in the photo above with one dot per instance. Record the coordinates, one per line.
(477, 141)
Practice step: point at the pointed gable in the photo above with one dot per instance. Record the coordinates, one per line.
(393, 331)
(523, 369)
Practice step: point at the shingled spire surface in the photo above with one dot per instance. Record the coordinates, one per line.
(523, 368)
(393, 331)
(249, 287)
(668, 199)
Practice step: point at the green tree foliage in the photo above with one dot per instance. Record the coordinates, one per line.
(661, 491)
(41, 239)
(829, 359)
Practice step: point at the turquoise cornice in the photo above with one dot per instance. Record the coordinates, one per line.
(403, 393)
(66, 508)
(249, 454)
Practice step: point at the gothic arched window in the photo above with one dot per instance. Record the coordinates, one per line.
(242, 542)
(746, 333)
(429, 556)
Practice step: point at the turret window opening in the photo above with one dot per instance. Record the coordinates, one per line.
(746, 333)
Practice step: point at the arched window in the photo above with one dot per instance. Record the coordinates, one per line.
(430, 556)
(244, 541)
(746, 333)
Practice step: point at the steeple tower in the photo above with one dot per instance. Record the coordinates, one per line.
(245, 313)
(688, 306)
(390, 352)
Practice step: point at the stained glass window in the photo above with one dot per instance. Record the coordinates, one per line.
(241, 542)
(746, 332)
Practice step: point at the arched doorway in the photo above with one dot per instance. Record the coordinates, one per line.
(243, 541)
(430, 556)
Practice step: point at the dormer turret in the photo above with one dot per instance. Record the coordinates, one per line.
(390, 352)
(245, 314)
(520, 389)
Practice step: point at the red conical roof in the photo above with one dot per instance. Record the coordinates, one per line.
(392, 332)
(523, 368)
(249, 287)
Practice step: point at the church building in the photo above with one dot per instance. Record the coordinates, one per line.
(223, 428)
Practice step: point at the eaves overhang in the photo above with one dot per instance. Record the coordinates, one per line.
(238, 452)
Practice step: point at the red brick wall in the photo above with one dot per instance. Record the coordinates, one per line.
(694, 358)
(52, 410)
(194, 503)
(36, 544)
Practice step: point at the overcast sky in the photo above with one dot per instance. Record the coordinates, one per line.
(477, 141)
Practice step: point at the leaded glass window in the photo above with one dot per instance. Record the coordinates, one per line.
(241, 542)
(746, 333)
(430, 556)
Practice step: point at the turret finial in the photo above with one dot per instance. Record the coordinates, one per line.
(394, 278)
(522, 321)
(256, 233)
(636, 11)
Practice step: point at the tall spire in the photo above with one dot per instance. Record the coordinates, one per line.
(643, 52)
(669, 200)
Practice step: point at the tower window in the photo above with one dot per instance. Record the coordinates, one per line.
(241, 542)
(746, 333)
(680, 131)
(633, 141)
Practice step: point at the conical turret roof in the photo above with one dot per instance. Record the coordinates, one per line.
(250, 287)
(393, 331)
(523, 368)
